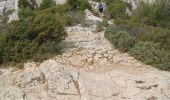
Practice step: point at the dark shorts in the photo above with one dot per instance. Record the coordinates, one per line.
(100, 10)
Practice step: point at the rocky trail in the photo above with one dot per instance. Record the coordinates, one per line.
(89, 69)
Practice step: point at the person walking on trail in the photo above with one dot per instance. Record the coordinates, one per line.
(101, 8)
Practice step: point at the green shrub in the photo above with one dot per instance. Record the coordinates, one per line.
(84, 4)
(121, 39)
(99, 27)
(48, 27)
(79, 4)
(66, 16)
(26, 12)
(144, 32)
(24, 4)
(73, 4)
(46, 4)
(156, 14)
(37, 33)
(105, 22)
(146, 43)
(125, 41)
(116, 8)
(75, 17)
(151, 53)
(30, 37)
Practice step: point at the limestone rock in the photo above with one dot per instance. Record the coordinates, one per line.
(13, 17)
(90, 18)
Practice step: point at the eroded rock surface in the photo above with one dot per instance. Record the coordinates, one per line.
(89, 69)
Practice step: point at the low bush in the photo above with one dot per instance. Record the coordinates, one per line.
(156, 14)
(84, 4)
(47, 4)
(116, 9)
(146, 43)
(31, 36)
(151, 53)
(99, 27)
(37, 33)
(24, 4)
(144, 32)
(121, 39)
(25, 13)
(78, 4)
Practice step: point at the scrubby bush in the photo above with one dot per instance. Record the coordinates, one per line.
(37, 33)
(146, 43)
(151, 53)
(75, 17)
(144, 32)
(25, 4)
(116, 8)
(65, 14)
(121, 39)
(99, 27)
(46, 4)
(84, 4)
(105, 22)
(31, 36)
(48, 27)
(25, 13)
(79, 4)
(73, 4)
(156, 14)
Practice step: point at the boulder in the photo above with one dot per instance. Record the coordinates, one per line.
(9, 5)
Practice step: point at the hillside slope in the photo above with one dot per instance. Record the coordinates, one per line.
(89, 69)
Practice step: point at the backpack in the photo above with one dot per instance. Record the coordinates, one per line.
(100, 5)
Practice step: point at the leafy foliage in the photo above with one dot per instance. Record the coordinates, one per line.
(79, 4)
(156, 14)
(24, 4)
(121, 39)
(38, 32)
(46, 4)
(146, 43)
(30, 36)
(151, 53)
(116, 8)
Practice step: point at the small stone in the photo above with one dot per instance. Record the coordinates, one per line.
(91, 67)
(90, 61)
(89, 56)
(98, 55)
(139, 65)
(106, 55)
(144, 87)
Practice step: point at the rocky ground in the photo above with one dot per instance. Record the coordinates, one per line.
(89, 69)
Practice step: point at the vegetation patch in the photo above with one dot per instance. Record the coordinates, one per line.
(145, 34)
(146, 43)
(38, 32)
(156, 14)
(116, 9)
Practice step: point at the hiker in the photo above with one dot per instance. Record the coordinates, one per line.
(101, 8)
